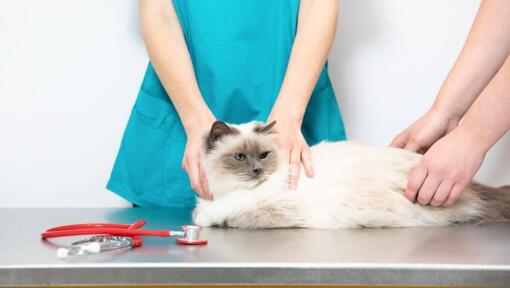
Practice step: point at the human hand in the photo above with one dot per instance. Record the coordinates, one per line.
(425, 131)
(289, 138)
(446, 169)
(192, 160)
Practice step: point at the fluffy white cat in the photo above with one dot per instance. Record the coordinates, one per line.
(355, 185)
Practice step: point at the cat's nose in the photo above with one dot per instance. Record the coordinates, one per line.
(256, 171)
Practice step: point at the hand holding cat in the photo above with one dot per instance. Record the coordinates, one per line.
(289, 138)
(446, 169)
(448, 164)
(425, 131)
(419, 137)
(191, 162)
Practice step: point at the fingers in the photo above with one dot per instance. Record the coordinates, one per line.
(406, 141)
(196, 175)
(428, 189)
(306, 157)
(431, 189)
(203, 182)
(412, 146)
(400, 141)
(295, 166)
(415, 182)
(284, 146)
(454, 194)
(296, 151)
(441, 194)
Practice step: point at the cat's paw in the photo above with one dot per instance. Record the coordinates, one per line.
(201, 219)
(204, 217)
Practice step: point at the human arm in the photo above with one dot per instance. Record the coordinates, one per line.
(485, 50)
(450, 164)
(315, 33)
(171, 60)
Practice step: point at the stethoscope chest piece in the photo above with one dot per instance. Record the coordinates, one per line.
(190, 235)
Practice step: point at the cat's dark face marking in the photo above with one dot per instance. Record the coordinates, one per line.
(218, 130)
(252, 160)
(264, 128)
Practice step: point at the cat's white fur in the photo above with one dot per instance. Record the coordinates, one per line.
(355, 185)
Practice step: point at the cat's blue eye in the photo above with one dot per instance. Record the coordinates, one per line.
(263, 155)
(239, 156)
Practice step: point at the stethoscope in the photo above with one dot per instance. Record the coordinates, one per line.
(117, 236)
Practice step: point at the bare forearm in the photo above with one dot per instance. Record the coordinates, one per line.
(488, 119)
(484, 52)
(170, 57)
(315, 33)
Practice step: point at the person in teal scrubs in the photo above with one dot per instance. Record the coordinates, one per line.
(231, 60)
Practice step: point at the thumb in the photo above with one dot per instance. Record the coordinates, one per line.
(412, 146)
(400, 141)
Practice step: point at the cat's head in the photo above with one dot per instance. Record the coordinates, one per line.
(239, 156)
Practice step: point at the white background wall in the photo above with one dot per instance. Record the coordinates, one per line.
(70, 71)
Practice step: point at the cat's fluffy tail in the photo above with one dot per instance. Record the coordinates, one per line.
(497, 200)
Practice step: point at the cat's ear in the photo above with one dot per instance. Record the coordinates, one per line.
(218, 130)
(265, 129)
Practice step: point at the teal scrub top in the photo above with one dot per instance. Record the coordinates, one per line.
(240, 51)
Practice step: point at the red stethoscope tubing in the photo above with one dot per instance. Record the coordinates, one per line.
(90, 225)
(111, 231)
(103, 228)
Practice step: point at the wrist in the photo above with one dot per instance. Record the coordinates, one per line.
(478, 142)
(446, 112)
(198, 124)
(286, 117)
(454, 99)
(287, 111)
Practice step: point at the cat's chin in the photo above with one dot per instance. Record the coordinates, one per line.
(257, 183)
(250, 184)
(245, 186)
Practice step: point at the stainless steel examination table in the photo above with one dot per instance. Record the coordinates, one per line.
(458, 255)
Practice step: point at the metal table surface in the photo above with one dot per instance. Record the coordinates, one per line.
(457, 255)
